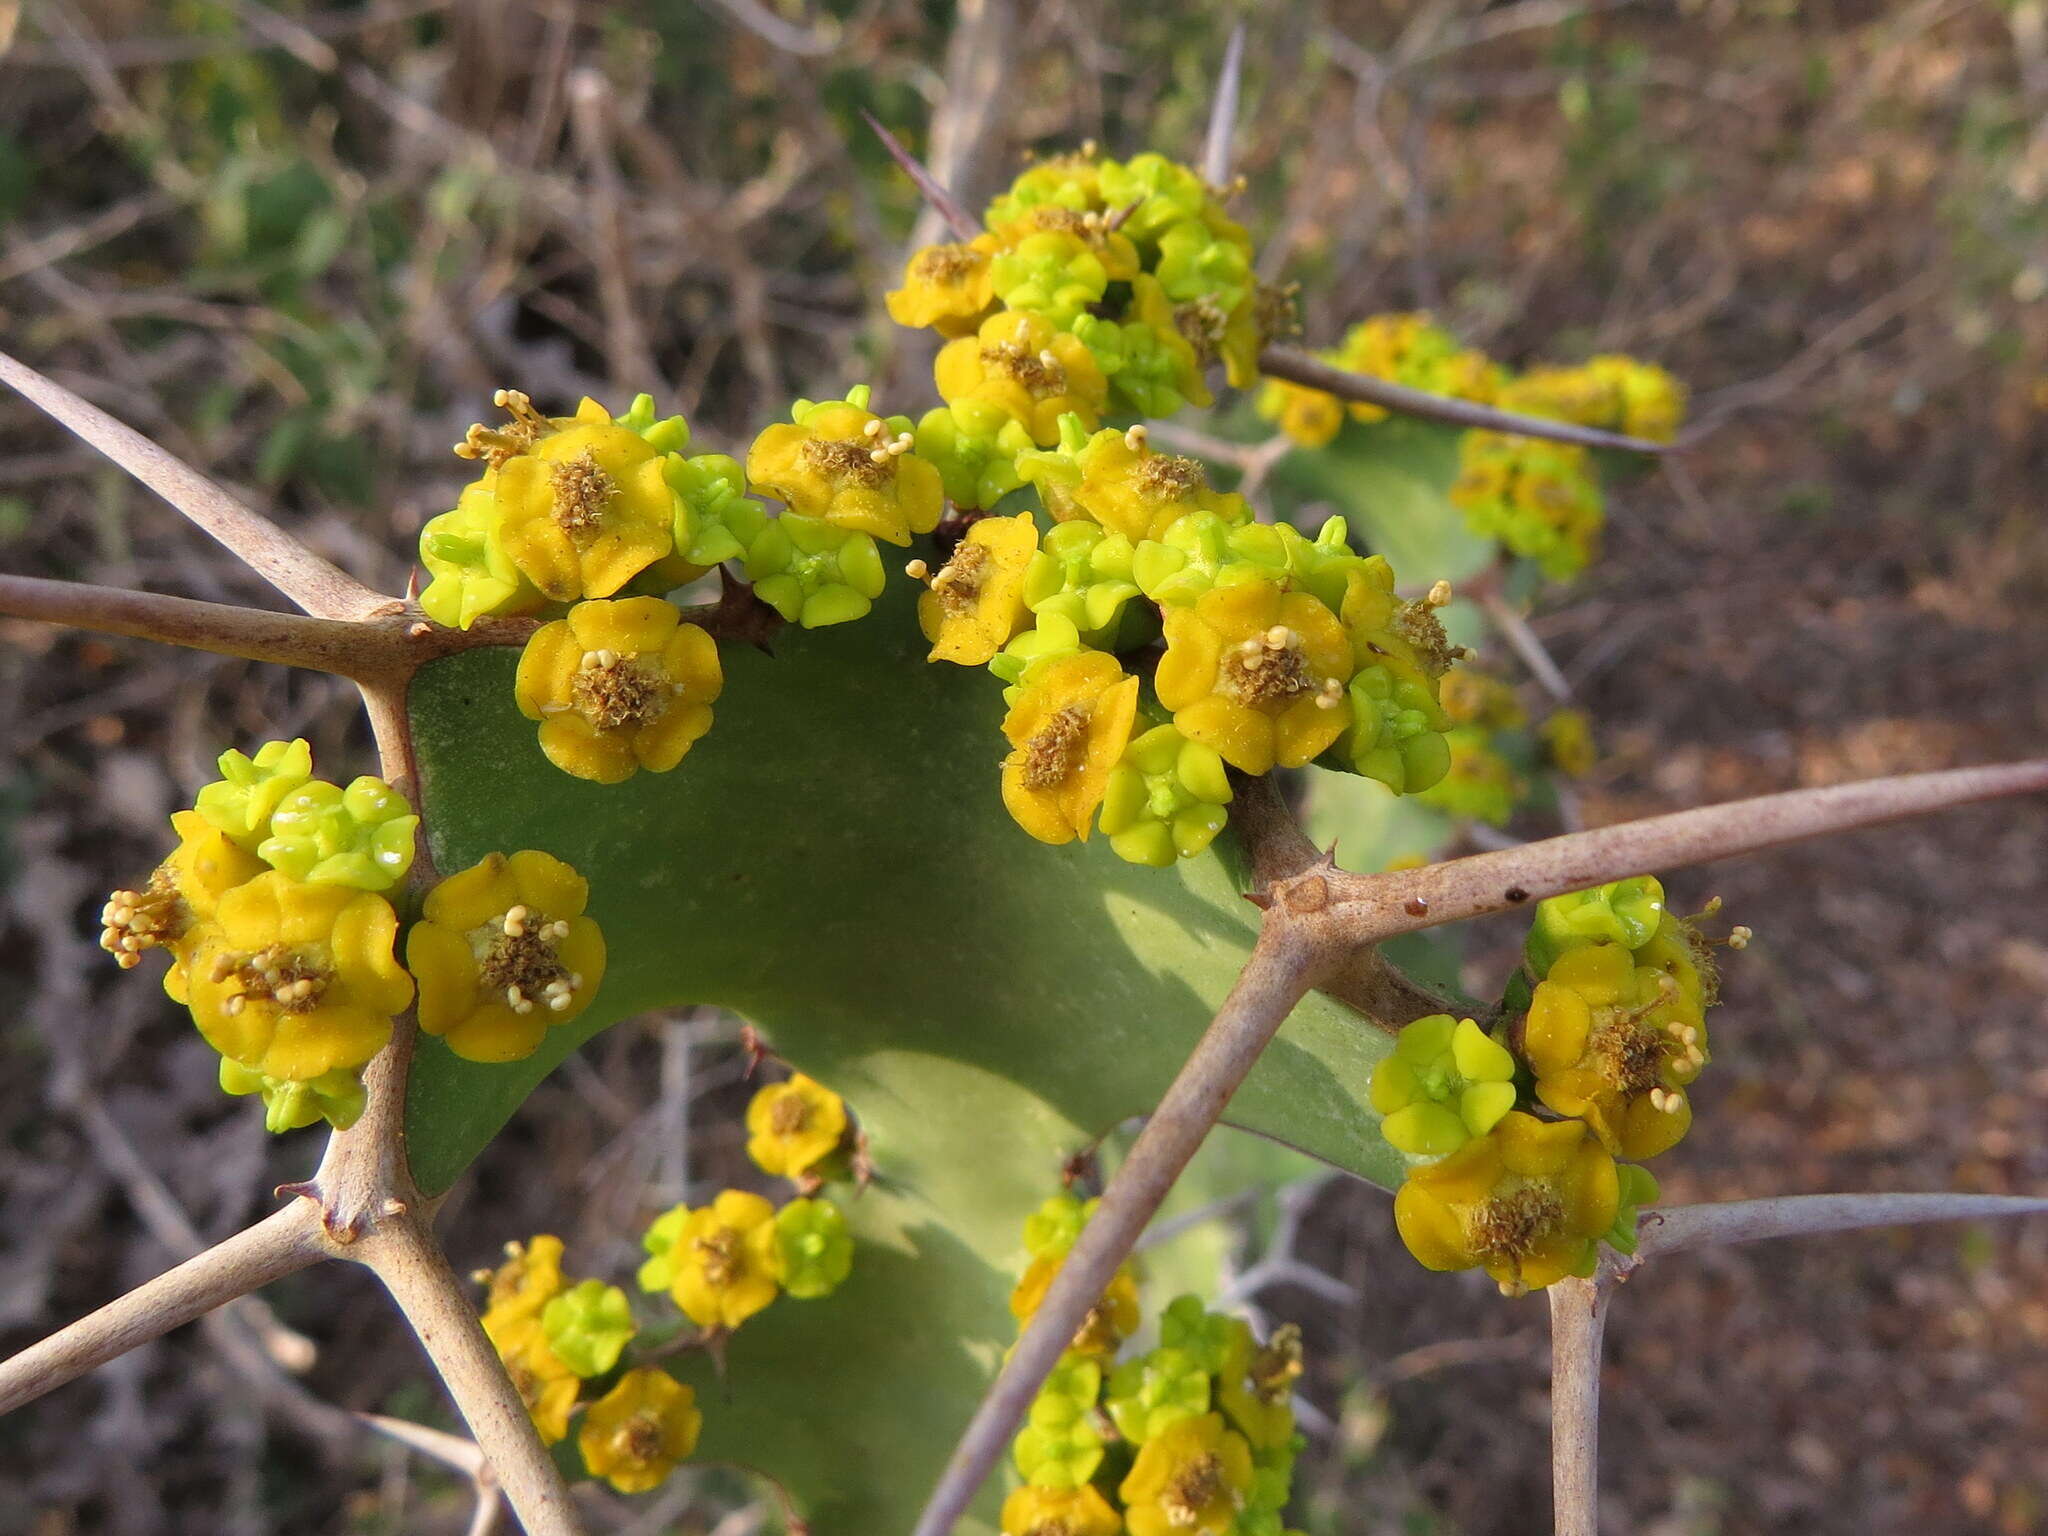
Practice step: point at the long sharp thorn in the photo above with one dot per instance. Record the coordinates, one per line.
(957, 218)
(1223, 113)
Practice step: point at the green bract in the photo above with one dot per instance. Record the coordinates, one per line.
(816, 1249)
(1204, 550)
(715, 521)
(1059, 1446)
(659, 1272)
(588, 1326)
(1053, 274)
(1166, 193)
(1195, 263)
(336, 1097)
(1156, 1390)
(1445, 1083)
(1396, 734)
(1051, 1230)
(975, 445)
(1638, 1189)
(250, 788)
(813, 573)
(362, 836)
(666, 434)
(1165, 799)
(1082, 572)
(472, 575)
(1625, 912)
(1191, 1328)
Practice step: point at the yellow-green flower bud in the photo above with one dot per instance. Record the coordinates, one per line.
(658, 1274)
(472, 574)
(715, 521)
(1191, 1328)
(1051, 1230)
(1396, 734)
(813, 572)
(1204, 550)
(816, 1248)
(1638, 1189)
(362, 836)
(588, 1326)
(1053, 273)
(1166, 799)
(975, 444)
(1445, 1083)
(1082, 572)
(1625, 912)
(1195, 264)
(250, 788)
(336, 1097)
(1152, 1393)
(1059, 1446)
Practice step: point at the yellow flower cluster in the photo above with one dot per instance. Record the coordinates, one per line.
(284, 943)
(553, 1336)
(1405, 349)
(1195, 1434)
(1607, 1029)
(1277, 650)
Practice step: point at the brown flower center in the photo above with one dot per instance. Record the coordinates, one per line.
(944, 263)
(1039, 372)
(1169, 476)
(134, 921)
(1051, 756)
(1098, 1333)
(841, 459)
(1267, 671)
(640, 1438)
(789, 1114)
(615, 692)
(517, 959)
(1508, 1226)
(288, 979)
(1277, 1365)
(494, 445)
(1193, 1489)
(583, 494)
(1051, 1525)
(1418, 624)
(958, 585)
(720, 1256)
(1628, 1053)
(1201, 325)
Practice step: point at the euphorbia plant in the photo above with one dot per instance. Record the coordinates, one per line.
(598, 796)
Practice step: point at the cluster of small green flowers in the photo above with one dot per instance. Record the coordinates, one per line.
(1278, 650)
(276, 911)
(720, 1264)
(1609, 1032)
(1540, 499)
(1194, 1435)
(1100, 288)
(1488, 729)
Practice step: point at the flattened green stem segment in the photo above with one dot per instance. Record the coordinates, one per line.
(316, 585)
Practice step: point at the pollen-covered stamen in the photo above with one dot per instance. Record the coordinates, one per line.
(287, 979)
(1268, 671)
(134, 921)
(1170, 476)
(851, 461)
(494, 445)
(1202, 326)
(958, 584)
(640, 1438)
(1418, 624)
(1508, 1227)
(517, 960)
(720, 1256)
(1040, 372)
(1052, 755)
(615, 692)
(583, 494)
(1193, 1489)
(1051, 1525)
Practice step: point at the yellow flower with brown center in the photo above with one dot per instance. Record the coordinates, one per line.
(726, 1261)
(619, 686)
(1112, 1319)
(581, 503)
(634, 1435)
(1616, 1043)
(503, 952)
(976, 599)
(1189, 1480)
(181, 893)
(1068, 730)
(1527, 1202)
(858, 471)
(1257, 673)
(543, 1381)
(1082, 1511)
(1118, 479)
(1256, 1385)
(294, 981)
(527, 1281)
(946, 288)
(1310, 417)
(1022, 363)
(792, 1125)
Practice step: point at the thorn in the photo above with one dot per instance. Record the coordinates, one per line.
(1329, 857)
(1223, 111)
(302, 1189)
(1258, 899)
(756, 1048)
(957, 218)
(863, 1164)
(412, 583)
